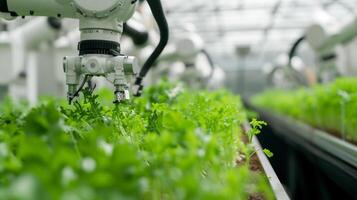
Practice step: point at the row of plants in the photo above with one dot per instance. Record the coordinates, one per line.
(332, 107)
(173, 143)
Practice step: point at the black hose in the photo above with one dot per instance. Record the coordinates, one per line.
(294, 48)
(54, 23)
(84, 81)
(292, 54)
(210, 61)
(3, 6)
(159, 15)
(138, 37)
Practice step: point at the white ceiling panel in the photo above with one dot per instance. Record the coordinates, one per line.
(226, 23)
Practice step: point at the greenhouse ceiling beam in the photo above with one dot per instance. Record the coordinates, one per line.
(273, 43)
(239, 8)
(349, 8)
(274, 12)
(253, 41)
(250, 20)
(249, 28)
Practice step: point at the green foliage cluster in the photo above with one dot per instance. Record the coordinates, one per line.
(331, 107)
(170, 144)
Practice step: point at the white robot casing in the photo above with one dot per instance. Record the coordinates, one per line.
(101, 27)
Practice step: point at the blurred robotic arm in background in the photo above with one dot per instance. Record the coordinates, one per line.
(331, 56)
(20, 48)
(197, 66)
(185, 57)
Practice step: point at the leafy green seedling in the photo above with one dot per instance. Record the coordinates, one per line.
(332, 107)
(256, 128)
(268, 153)
(173, 143)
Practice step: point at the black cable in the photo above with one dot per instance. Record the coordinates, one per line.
(114, 52)
(138, 37)
(294, 48)
(3, 6)
(210, 61)
(292, 54)
(85, 80)
(91, 85)
(55, 23)
(159, 15)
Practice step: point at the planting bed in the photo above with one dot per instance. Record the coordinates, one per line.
(316, 126)
(170, 144)
(312, 163)
(332, 107)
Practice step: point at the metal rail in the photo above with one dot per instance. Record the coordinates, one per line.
(277, 187)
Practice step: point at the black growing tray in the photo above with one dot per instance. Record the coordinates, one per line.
(335, 157)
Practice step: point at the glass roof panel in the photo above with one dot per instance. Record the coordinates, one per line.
(223, 23)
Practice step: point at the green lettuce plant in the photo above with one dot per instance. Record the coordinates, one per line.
(332, 107)
(172, 143)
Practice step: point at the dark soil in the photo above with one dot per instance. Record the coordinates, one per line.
(254, 164)
(256, 197)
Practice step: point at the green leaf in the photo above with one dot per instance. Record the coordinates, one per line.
(268, 153)
(331, 107)
(172, 143)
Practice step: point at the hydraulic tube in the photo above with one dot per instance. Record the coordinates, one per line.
(292, 54)
(159, 15)
(139, 37)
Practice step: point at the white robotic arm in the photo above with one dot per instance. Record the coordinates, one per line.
(101, 26)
